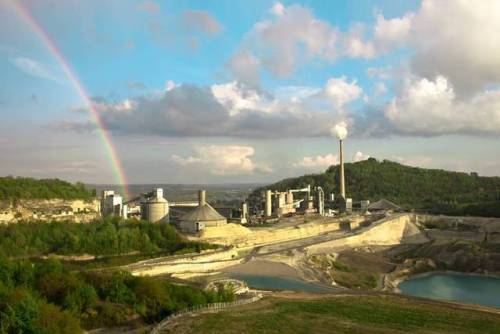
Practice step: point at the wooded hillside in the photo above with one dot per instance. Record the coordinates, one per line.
(432, 190)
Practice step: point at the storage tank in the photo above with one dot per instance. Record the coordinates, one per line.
(154, 208)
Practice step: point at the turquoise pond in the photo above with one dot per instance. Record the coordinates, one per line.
(472, 289)
(280, 283)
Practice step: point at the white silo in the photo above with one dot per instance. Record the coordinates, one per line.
(154, 208)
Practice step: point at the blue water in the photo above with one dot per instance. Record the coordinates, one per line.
(280, 283)
(457, 287)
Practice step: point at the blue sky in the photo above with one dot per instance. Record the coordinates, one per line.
(247, 91)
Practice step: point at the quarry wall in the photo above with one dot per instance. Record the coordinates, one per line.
(203, 263)
(393, 230)
(240, 236)
(45, 210)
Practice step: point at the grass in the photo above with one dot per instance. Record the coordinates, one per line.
(348, 314)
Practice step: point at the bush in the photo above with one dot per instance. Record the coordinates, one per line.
(14, 188)
(109, 236)
(55, 299)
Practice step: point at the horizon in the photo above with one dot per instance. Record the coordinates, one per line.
(250, 183)
(223, 92)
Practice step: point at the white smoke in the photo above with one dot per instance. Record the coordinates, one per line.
(339, 130)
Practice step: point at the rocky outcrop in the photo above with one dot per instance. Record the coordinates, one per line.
(393, 230)
(45, 210)
(186, 265)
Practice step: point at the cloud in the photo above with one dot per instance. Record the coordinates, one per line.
(380, 89)
(223, 110)
(35, 68)
(201, 21)
(431, 107)
(277, 9)
(340, 92)
(245, 67)
(169, 85)
(360, 156)
(223, 160)
(318, 162)
(393, 32)
(293, 35)
(456, 39)
(235, 98)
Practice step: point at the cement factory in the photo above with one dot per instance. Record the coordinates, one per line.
(268, 206)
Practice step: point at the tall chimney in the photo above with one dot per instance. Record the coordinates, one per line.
(342, 181)
(269, 208)
(201, 197)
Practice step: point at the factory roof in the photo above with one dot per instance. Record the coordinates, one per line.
(384, 204)
(202, 213)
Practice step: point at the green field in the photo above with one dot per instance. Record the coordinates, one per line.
(344, 314)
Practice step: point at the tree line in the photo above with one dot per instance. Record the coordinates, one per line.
(45, 297)
(14, 188)
(431, 190)
(108, 236)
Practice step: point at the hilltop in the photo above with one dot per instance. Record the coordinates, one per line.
(14, 188)
(430, 190)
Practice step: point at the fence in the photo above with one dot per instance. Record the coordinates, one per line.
(200, 308)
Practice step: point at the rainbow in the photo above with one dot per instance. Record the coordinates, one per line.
(103, 132)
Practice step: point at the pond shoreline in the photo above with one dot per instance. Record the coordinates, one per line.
(453, 286)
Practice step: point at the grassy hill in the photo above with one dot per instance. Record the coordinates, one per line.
(375, 314)
(13, 188)
(432, 190)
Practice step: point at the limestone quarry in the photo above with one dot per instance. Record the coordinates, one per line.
(48, 210)
(369, 254)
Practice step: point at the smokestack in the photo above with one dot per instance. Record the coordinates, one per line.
(340, 131)
(201, 198)
(342, 179)
(268, 204)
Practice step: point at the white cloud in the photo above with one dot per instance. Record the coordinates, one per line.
(340, 92)
(35, 68)
(458, 39)
(277, 9)
(355, 46)
(245, 67)
(360, 156)
(169, 85)
(392, 32)
(235, 98)
(226, 110)
(223, 160)
(293, 35)
(380, 89)
(432, 108)
(317, 162)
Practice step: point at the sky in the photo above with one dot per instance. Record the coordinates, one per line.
(246, 91)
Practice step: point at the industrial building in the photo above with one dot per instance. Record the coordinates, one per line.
(154, 207)
(112, 204)
(202, 216)
(276, 204)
